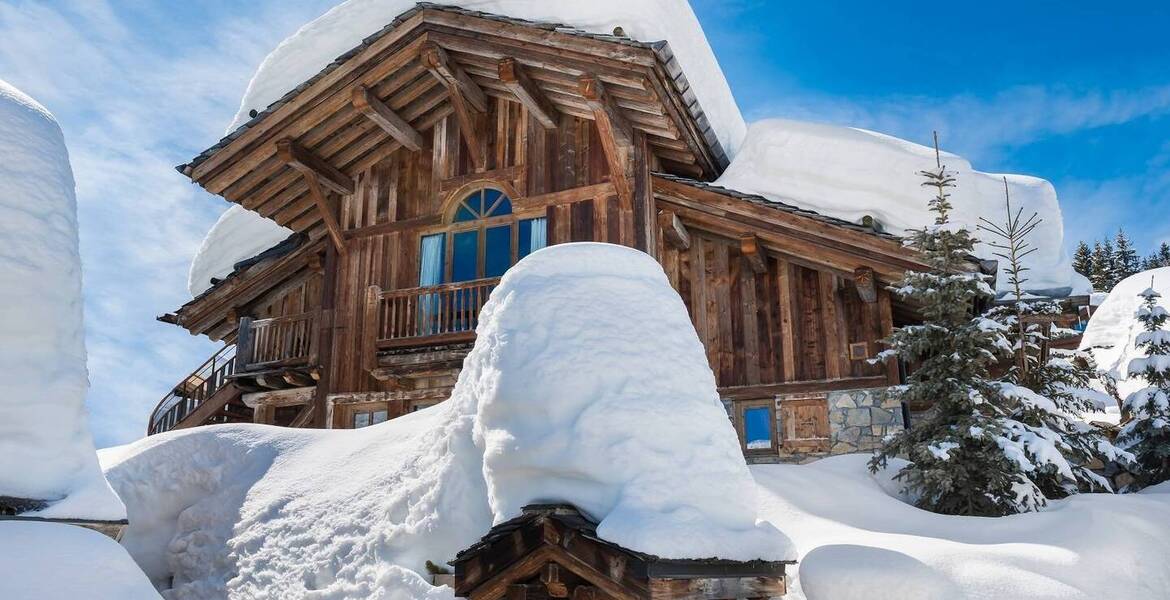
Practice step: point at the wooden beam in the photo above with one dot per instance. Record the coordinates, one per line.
(673, 230)
(302, 159)
(375, 110)
(550, 576)
(753, 252)
(754, 392)
(617, 138)
(866, 283)
(449, 73)
(326, 213)
(514, 78)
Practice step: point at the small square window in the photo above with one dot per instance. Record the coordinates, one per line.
(361, 419)
(380, 416)
(859, 351)
(757, 428)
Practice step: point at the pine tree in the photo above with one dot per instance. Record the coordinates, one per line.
(1102, 276)
(1046, 395)
(1083, 260)
(1125, 258)
(1147, 433)
(1159, 258)
(957, 461)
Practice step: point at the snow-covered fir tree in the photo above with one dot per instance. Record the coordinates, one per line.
(1103, 277)
(1125, 257)
(1083, 260)
(1046, 395)
(1159, 258)
(1147, 433)
(960, 460)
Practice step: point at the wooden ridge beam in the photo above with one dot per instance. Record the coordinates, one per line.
(753, 252)
(375, 110)
(673, 230)
(617, 138)
(302, 159)
(516, 80)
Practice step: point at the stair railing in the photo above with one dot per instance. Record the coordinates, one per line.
(193, 390)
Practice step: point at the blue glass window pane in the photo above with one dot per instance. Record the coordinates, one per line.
(757, 430)
(533, 236)
(466, 253)
(465, 214)
(503, 208)
(489, 198)
(497, 251)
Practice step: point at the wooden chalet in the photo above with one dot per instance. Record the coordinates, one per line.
(553, 551)
(418, 167)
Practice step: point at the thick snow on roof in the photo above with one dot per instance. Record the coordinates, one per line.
(239, 234)
(46, 450)
(852, 173)
(1112, 332)
(316, 44)
(53, 561)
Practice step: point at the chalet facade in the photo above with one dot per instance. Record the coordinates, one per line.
(417, 168)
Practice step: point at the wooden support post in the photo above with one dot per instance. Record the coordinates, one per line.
(673, 230)
(325, 322)
(550, 576)
(753, 253)
(302, 159)
(244, 344)
(372, 328)
(375, 110)
(617, 138)
(513, 77)
(327, 216)
(866, 283)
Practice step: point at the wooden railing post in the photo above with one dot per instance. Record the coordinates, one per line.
(244, 343)
(373, 327)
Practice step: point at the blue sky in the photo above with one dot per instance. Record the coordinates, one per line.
(1075, 92)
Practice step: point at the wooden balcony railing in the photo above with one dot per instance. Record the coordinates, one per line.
(427, 315)
(199, 386)
(277, 342)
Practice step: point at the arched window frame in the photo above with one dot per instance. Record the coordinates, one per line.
(450, 226)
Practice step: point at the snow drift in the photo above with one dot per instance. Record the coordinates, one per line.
(852, 173)
(46, 451)
(1111, 335)
(52, 561)
(587, 384)
(238, 235)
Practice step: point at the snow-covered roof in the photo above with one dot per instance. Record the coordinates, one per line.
(851, 173)
(46, 450)
(239, 234)
(1112, 332)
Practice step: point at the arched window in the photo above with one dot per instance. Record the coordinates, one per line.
(482, 239)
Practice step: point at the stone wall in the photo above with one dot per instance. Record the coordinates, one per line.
(858, 420)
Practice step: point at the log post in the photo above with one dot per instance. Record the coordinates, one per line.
(369, 360)
(244, 343)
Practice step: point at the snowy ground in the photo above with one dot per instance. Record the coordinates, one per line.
(51, 561)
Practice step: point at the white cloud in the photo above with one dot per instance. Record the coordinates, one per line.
(133, 102)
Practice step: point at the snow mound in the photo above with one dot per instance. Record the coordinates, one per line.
(1112, 333)
(46, 451)
(238, 235)
(857, 541)
(592, 388)
(52, 561)
(852, 173)
(318, 43)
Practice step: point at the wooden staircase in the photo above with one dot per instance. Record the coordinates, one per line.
(207, 395)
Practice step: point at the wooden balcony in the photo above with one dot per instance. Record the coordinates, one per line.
(425, 316)
(266, 344)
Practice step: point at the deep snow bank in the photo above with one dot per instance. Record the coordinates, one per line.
(858, 542)
(238, 235)
(591, 386)
(316, 44)
(852, 173)
(587, 384)
(51, 561)
(46, 451)
(1111, 335)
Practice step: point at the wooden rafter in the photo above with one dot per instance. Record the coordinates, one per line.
(302, 159)
(467, 98)
(513, 77)
(327, 216)
(753, 252)
(375, 110)
(617, 138)
(673, 230)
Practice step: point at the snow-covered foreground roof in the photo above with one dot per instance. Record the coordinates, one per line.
(1112, 333)
(325, 38)
(853, 173)
(239, 234)
(52, 561)
(46, 451)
